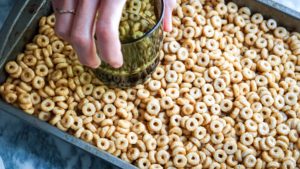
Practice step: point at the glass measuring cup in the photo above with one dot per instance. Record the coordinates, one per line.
(140, 52)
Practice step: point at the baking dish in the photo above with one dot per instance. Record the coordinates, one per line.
(22, 24)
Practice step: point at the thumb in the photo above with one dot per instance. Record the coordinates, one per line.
(169, 6)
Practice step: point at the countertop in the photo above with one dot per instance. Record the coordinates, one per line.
(25, 147)
(294, 4)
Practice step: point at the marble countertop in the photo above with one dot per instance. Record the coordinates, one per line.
(25, 147)
(294, 4)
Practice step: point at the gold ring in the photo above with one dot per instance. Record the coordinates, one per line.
(63, 11)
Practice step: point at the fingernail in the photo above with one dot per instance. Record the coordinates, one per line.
(168, 29)
(117, 65)
(90, 65)
(94, 66)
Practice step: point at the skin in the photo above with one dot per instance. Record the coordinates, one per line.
(79, 29)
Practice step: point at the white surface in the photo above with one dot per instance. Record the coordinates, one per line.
(294, 4)
(1, 164)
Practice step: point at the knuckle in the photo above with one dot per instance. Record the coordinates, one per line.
(80, 40)
(105, 32)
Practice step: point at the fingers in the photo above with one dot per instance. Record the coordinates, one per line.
(64, 21)
(78, 28)
(169, 6)
(82, 34)
(107, 31)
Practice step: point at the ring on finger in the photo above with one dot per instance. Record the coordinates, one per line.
(64, 11)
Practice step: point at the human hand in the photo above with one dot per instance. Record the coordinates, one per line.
(80, 28)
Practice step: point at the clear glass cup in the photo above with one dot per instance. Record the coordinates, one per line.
(141, 55)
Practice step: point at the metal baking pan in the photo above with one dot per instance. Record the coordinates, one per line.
(22, 25)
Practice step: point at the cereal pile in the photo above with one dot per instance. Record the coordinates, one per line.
(225, 95)
(138, 17)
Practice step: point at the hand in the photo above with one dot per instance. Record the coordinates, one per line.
(80, 28)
